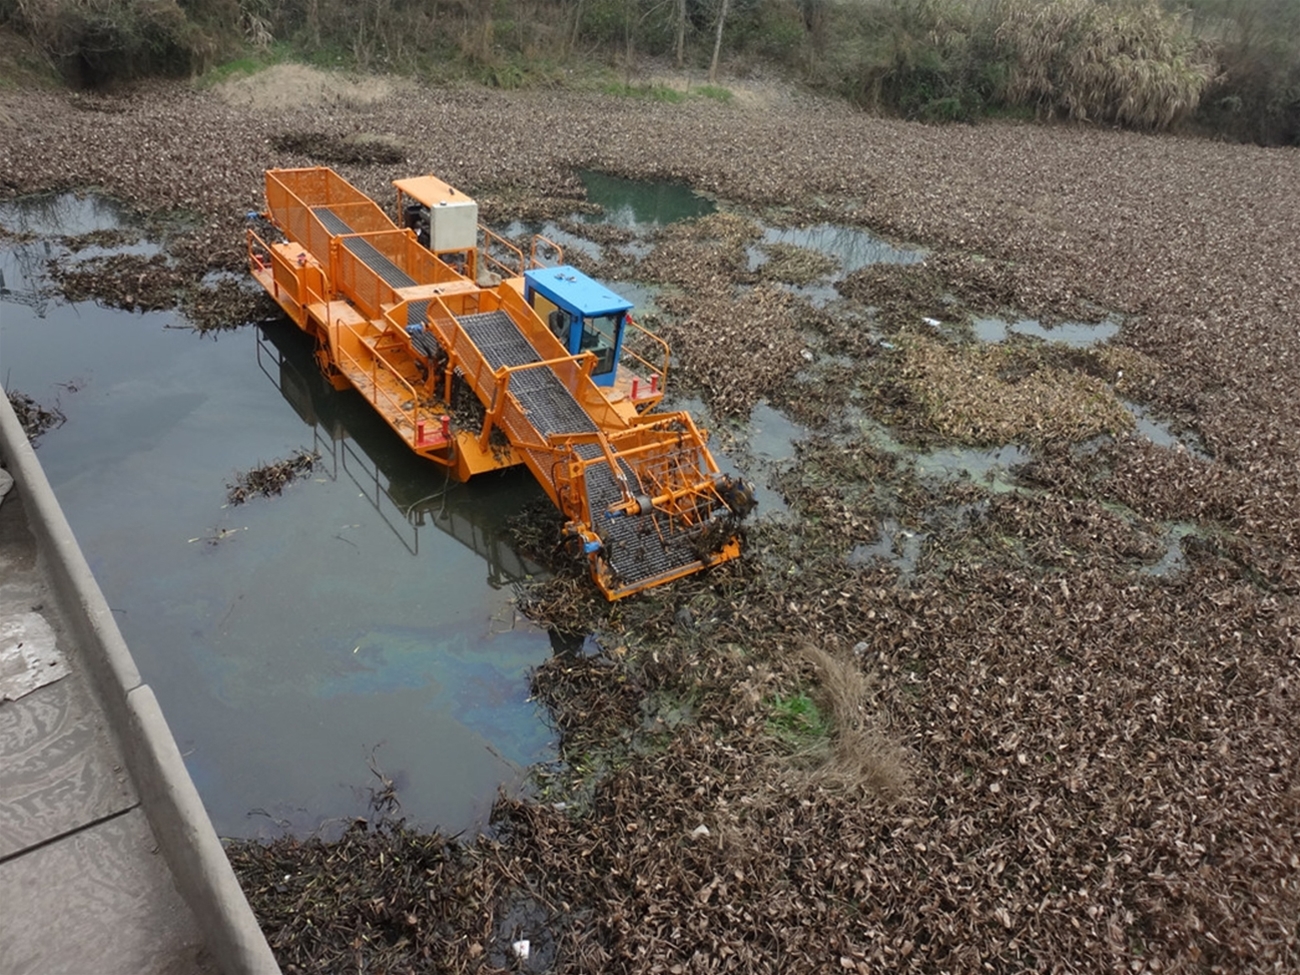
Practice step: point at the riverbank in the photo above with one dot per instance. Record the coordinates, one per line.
(1031, 750)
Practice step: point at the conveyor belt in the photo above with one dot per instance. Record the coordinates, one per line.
(364, 251)
(417, 311)
(550, 406)
(637, 547)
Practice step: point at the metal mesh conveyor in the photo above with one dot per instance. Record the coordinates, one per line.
(364, 251)
(637, 547)
(551, 407)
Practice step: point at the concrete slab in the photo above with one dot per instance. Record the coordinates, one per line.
(100, 901)
(59, 767)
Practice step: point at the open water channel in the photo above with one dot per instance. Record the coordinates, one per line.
(363, 618)
(365, 615)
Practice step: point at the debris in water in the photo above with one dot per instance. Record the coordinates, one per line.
(271, 478)
(34, 418)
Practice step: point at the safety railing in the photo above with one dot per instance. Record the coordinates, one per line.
(462, 352)
(571, 370)
(498, 255)
(308, 183)
(292, 195)
(426, 267)
(362, 216)
(660, 369)
(320, 186)
(544, 252)
(360, 283)
(293, 215)
(542, 459)
(263, 259)
(408, 424)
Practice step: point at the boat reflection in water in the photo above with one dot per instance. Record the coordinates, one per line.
(410, 493)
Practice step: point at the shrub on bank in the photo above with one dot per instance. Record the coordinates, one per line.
(1231, 66)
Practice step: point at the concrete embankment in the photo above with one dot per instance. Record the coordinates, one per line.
(108, 860)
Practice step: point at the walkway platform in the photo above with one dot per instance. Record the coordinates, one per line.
(108, 861)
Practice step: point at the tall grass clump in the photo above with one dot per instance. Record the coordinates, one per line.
(1126, 62)
(925, 59)
(857, 752)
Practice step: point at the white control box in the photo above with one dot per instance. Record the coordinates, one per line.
(453, 225)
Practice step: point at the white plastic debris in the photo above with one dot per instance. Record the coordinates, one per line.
(522, 948)
(29, 655)
(700, 830)
(933, 322)
(807, 355)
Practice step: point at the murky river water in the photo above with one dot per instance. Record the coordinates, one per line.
(325, 628)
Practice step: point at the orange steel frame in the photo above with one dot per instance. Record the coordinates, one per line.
(359, 323)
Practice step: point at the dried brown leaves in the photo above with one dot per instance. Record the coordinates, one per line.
(738, 349)
(1004, 393)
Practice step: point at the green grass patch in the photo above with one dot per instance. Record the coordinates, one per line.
(797, 721)
(249, 63)
(716, 92)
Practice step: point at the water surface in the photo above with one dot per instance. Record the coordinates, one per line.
(364, 616)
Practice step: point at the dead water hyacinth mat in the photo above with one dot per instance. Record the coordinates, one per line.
(271, 479)
(127, 281)
(790, 264)
(381, 898)
(1102, 762)
(737, 349)
(1010, 393)
(158, 282)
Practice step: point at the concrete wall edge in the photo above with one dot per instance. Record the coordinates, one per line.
(168, 797)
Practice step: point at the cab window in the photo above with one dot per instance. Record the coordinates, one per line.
(600, 335)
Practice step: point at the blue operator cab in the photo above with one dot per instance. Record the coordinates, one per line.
(583, 314)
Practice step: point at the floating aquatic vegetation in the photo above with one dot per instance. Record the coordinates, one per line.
(34, 418)
(132, 282)
(996, 394)
(329, 148)
(271, 479)
(737, 349)
(226, 304)
(791, 264)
